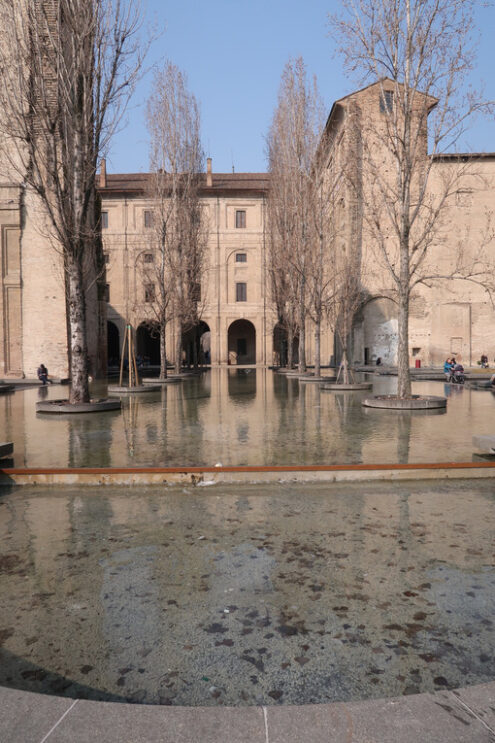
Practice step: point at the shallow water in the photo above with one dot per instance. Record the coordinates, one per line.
(281, 594)
(246, 417)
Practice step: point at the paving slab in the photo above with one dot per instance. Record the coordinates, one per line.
(481, 700)
(422, 718)
(105, 722)
(27, 717)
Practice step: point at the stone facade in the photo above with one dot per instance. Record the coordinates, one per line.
(238, 321)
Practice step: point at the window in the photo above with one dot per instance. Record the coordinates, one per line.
(387, 101)
(106, 257)
(148, 219)
(149, 293)
(241, 292)
(241, 257)
(464, 198)
(148, 258)
(104, 220)
(240, 218)
(196, 291)
(106, 293)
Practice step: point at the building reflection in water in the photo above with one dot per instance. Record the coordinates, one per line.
(245, 417)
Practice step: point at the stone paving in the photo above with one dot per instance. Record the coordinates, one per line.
(462, 716)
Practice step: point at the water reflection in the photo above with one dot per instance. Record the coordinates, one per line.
(286, 594)
(250, 417)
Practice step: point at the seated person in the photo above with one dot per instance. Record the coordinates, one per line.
(484, 361)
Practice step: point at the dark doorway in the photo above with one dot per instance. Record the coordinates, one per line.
(113, 344)
(148, 343)
(242, 343)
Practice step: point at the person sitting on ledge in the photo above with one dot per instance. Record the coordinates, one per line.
(43, 374)
(484, 361)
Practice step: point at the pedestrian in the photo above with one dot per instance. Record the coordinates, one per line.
(43, 374)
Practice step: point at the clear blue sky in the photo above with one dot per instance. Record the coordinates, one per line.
(233, 52)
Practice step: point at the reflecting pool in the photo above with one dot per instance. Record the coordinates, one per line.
(246, 417)
(264, 595)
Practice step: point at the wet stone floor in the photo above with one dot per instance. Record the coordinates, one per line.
(247, 594)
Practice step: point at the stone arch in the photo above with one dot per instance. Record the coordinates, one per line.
(196, 344)
(376, 332)
(148, 343)
(113, 344)
(241, 342)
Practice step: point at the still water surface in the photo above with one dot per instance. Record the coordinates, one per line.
(246, 417)
(280, 594)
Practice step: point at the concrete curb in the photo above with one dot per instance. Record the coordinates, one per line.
(461, 716)
(212, 475)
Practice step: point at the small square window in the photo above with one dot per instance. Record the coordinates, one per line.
(464, 198)
(241, 257)
(241, 292)
(240, 218)
(148, 219)
(148, 258)
(387, 101)
(149, 293)
(104, 220)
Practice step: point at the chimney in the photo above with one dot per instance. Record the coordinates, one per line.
(209, 177)
(103, 173)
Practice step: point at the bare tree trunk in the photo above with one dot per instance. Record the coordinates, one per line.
(317, 347)
(78, 357)
(178, 347)
(290, 349)
(302, 330)
(163, 351)
(404, 377)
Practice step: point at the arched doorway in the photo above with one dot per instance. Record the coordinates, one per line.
(241, 343)
(375, 332)
(281, 346)
(196, 345)
(148, 343)
(113, 344)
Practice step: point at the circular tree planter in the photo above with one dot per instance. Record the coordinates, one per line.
(154, 381)
(305, 378)
(351, 387)
(415, 402)
(64, 406)
(116, 391)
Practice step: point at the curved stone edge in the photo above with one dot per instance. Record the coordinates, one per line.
(348, 387)
(445, 717)
(139, 389)
(63, 406)
(160, 382)
(427, 402)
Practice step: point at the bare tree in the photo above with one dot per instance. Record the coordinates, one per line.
(180, 222)
(418, 53)
(68, 69)
(291, 144)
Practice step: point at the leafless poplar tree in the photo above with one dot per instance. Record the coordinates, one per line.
(291, 144)
(68, 69)
(180, 223)
(419, 52)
